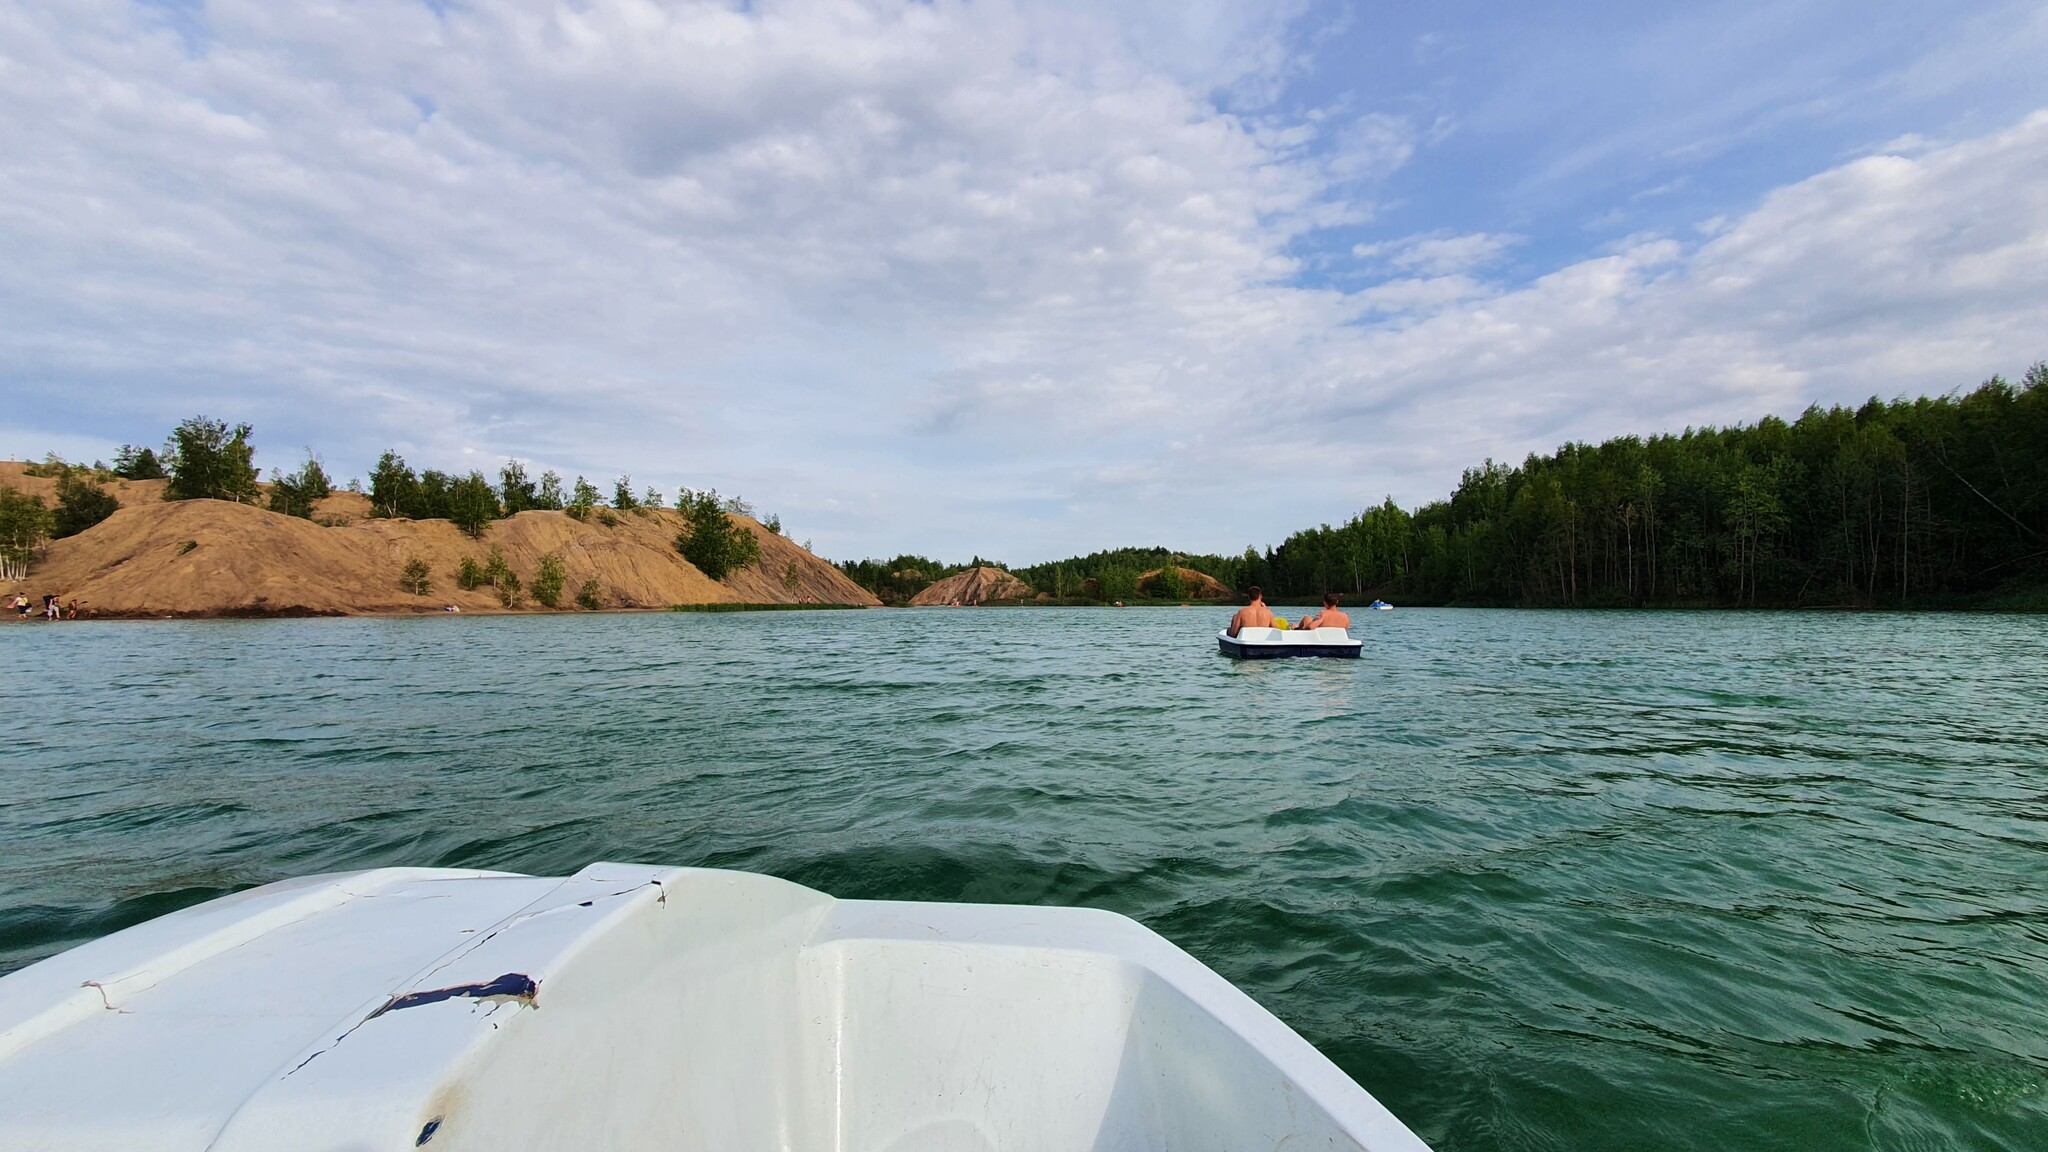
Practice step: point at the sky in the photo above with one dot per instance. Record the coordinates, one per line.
(1021, 280)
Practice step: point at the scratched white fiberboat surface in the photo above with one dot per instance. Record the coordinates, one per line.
(632, 1007)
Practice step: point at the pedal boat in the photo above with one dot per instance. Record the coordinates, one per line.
(1269, 643)
(639, 1008)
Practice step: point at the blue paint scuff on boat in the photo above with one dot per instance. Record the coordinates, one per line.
(511, 986)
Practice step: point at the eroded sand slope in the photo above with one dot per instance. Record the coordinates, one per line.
(212, 558)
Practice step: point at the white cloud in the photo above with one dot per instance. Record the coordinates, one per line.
(1886, 275)
(1000, 277)
(1439, 254)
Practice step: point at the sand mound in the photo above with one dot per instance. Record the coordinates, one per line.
(212, 558)
(974, 586)
(128, 492)
(1199, 585)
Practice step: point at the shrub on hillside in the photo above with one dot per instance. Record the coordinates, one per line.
(472, 504)
(622, 495)
(80, 505)
(549, 496)
(710, 539)
(515, 491)
(416, 578)
(211, 461)
(394, 490)
(24, 526)
(296, 493)
(586, 596)
(469, 575)
(132, 463)
(499, 575)
(583, 499)
(548, 580)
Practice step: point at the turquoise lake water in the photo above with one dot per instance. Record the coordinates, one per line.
(1537, 880)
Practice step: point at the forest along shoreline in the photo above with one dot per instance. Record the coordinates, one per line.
(1928, 503)
(1925, 503)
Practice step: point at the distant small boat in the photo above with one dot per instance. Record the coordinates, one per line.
(1380, 606)
(1270, 643)
(643, 1008)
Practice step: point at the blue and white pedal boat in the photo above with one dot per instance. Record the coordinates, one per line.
(632, 1008)
(1270, 643)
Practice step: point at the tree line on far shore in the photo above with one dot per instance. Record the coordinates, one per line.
(1124, 574)
(209, 459)
(1925, 502)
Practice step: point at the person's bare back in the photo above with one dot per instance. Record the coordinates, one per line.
(1330, 617)
(1252, 615)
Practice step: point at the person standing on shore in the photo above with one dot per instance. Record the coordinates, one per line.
(1252, 615)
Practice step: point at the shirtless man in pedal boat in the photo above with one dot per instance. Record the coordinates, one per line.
(1330, 617)
(1252, 615)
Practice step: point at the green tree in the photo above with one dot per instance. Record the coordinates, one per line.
(549, 496)
(1117, 582)
(773, 523)
(24, 526)
(499, 575)
(515, 491)
(710, 538)
(548, 579)
(583, 500)
(622, 495)
(651, 498)
(586, 596)
(80, 505)
(1170, 584)
(435, 500)
(133, 463)
(469, 575)
(296, 493)
(211, 461)
(416, 578)
(394, 490)
(472, 504)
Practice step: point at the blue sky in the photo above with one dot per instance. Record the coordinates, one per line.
(1008, 278)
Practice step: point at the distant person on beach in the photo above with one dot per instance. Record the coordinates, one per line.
(50, 609)
(21, 604)
(1330, 617)
(1252, 615)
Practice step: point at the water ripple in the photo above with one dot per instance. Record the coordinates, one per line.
(1538, 880)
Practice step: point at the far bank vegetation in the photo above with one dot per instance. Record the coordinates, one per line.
(1927, 502)
(208, 459)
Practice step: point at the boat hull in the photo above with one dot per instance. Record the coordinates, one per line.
(1274, 644)
(650, 1009)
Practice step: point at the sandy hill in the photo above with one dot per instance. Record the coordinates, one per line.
(14, 474)
(1200, 585)
(974, 586)
(213, 558)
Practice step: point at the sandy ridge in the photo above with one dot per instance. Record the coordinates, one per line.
(213, 558)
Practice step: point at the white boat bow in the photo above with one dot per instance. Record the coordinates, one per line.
(632, 1007)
